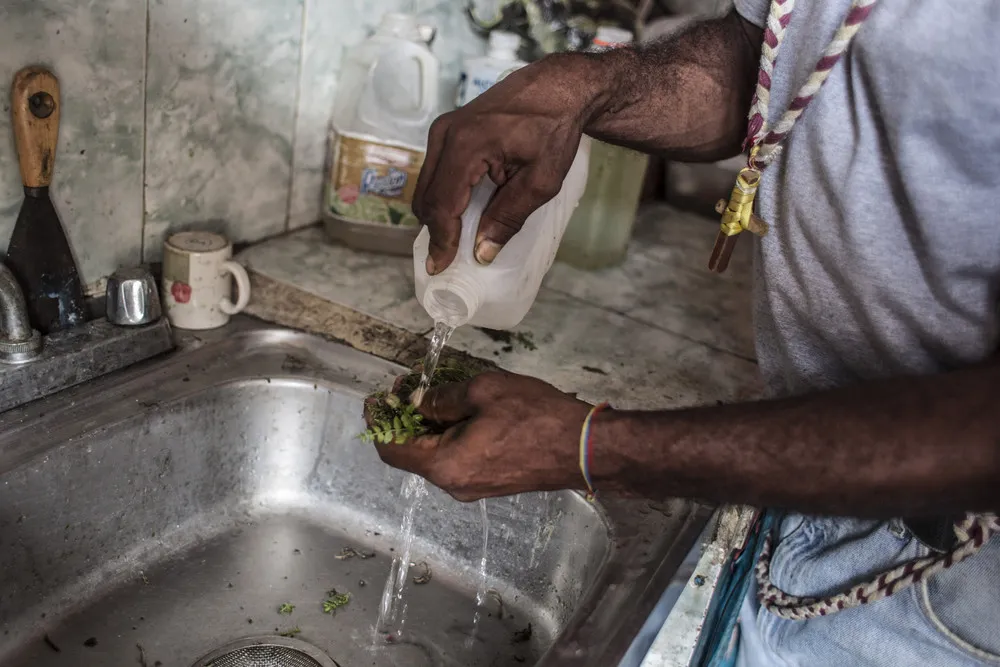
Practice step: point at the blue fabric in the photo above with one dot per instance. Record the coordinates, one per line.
(720, 637)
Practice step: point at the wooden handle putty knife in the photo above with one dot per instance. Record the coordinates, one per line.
(39, 253)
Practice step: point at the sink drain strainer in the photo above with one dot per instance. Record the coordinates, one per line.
(267, 652)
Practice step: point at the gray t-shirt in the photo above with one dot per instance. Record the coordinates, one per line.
(883, 257)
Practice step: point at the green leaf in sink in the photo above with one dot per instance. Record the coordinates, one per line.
(286, 608)
(350, 552)
(335, 601)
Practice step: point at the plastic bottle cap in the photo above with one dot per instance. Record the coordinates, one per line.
(609, 37)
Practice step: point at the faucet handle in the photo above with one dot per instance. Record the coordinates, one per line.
(132, 298)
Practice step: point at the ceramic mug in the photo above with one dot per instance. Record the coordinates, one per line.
(198, 273)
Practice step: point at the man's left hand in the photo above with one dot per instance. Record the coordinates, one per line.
(507, 434)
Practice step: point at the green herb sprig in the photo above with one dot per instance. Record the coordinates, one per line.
(335, 601)
(407, 423)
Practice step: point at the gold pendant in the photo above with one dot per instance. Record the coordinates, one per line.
(737, 215)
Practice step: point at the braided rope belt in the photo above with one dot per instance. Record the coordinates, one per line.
(972, 532)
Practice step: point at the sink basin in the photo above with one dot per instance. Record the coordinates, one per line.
(161, 514)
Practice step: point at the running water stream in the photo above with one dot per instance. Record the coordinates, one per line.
(392, 610)
(439, 338)
(482, 590)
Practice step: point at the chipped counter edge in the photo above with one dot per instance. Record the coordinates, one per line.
(677, 640)
(288, 306)
(285, 305)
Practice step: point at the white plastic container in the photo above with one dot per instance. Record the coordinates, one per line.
(481, 73)
(499, 295)
(387, 98)
(388, 85)
(598, 236)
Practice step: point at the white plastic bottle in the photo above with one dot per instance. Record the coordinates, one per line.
(387, 98)
(479, 74)
(499, 295)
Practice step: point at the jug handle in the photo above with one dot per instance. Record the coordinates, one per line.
(428, 84)
(428, 80)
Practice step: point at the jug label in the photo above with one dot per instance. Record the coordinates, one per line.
(372, 182)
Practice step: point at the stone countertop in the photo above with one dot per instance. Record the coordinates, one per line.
(660, 331)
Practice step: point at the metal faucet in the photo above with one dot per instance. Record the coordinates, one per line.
(133, 332)
(18, 341)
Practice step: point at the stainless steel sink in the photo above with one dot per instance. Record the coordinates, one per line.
(162, 512)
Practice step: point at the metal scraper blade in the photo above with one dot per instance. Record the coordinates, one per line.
(40, 258)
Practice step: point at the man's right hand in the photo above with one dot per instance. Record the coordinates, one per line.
(523, 132)
(685, 98)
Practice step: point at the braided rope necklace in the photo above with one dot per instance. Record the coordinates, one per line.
(763, 140)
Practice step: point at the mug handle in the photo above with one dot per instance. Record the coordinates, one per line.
(242, 288)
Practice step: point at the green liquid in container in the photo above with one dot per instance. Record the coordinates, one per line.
(599, 232)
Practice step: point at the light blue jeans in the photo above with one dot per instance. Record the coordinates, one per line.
(950, 620)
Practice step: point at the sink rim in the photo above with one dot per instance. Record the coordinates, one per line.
(647, 541)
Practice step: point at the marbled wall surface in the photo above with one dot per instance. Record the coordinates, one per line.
(220, 115)
(97, 50)
(191, 113)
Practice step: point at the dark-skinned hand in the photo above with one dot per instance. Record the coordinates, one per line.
(523, 132)
(507, 434)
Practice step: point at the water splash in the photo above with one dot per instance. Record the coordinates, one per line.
(483, 589)
(440, 337)
(392, 611)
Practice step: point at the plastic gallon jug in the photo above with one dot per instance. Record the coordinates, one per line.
(387, 97)
(499, 295)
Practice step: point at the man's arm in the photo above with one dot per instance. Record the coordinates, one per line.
(686, 97)
(904, 447)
